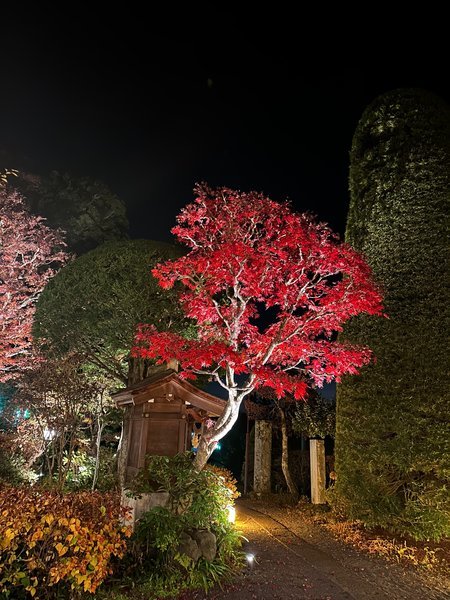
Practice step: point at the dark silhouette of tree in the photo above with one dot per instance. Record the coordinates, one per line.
(85, 208)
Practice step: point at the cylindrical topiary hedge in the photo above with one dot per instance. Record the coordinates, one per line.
(392, 435)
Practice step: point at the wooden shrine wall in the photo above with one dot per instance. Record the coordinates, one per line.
(157, 427)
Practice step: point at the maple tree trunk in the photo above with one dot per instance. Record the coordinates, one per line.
(204, 451)
(285, 455)
(223, 425)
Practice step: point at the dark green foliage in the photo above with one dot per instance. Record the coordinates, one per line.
(299, 467)
(11, 469)
(86, 209)
(197, 501)
(6, 393)
(94, 304)
(393, 442)
(314, 418)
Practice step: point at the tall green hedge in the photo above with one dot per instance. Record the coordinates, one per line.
(393, 437)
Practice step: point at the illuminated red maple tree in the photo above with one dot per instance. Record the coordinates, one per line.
(29, 253)
(268, 290)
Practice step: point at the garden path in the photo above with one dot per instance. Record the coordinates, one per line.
(299, 561)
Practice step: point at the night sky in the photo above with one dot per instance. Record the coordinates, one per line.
(150, 116)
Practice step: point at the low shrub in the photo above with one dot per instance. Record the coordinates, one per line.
(227, 478)
(52, 544)
(168, 539)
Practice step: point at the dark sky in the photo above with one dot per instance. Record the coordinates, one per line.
(150, 116)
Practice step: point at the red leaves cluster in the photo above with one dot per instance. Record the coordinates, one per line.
(29, 254)
(249, 255)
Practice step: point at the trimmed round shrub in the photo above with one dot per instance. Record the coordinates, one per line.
(95, 303)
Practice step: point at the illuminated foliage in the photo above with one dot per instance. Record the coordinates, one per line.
(268, 289)
(65, 411)
(47, 538)
(165, 539)
(30, 254)
(227, 479)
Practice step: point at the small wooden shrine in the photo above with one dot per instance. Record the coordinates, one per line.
(163, 414)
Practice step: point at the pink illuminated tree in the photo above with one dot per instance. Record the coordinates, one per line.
(30, 252)
(268, 289)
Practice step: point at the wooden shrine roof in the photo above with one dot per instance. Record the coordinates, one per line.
(168, 382)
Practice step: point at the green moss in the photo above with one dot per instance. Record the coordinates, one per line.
(392, 441)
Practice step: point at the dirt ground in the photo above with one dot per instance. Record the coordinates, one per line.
(295, 558)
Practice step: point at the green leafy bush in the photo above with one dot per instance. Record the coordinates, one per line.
(227, 478)
(197, 502)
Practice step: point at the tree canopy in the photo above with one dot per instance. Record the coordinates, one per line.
(268, 289)
(392, 443)
(85, 208)
(94, 304)
(30, 253)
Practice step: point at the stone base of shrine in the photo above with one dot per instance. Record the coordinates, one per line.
(136, 507)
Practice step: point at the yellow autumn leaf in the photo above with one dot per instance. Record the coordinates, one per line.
(8, 536)
(61, 549)
(37, 535)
